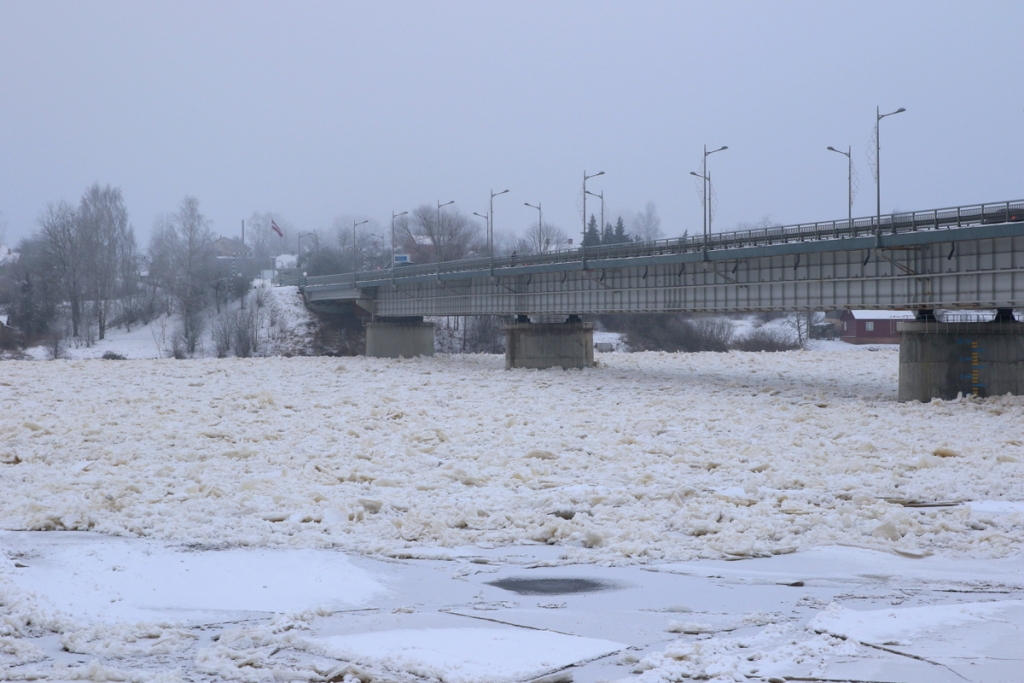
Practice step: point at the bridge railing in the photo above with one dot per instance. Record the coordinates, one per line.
(889, 224)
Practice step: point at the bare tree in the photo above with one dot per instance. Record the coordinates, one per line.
(107, 248)
(182, 261)
(540, 239)
(430, 237)
(39, 289)
(647, 224)
(801, 323)
(60, 233)
(765, 222)
(264, 241)
(320, 257)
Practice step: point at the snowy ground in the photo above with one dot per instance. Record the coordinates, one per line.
(285, 328)
(312, 518)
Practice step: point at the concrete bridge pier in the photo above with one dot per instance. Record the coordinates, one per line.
(943, 359)
(549, 345)
(403, 337)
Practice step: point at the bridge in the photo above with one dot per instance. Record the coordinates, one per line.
(964, 257)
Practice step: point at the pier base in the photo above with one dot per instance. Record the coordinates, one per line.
(549, 345)
(399, 338)
(941, 360)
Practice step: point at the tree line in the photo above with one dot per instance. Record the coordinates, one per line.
(82, 271)
(646, 227)
(429, 234)
(82, 260)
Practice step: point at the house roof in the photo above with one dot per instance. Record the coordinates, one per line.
(286, 261)
(230, 247)
(881, 315)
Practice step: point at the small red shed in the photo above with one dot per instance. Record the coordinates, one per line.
(871, 327)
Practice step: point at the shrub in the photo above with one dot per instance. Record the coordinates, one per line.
(677, 332)
(767, 339)
(246, 331)
(178, 350)
(221, 334)
(56, 346)
(484, 334)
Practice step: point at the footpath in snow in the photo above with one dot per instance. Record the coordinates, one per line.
(315, 518)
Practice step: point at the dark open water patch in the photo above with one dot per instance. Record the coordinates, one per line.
(524, 586)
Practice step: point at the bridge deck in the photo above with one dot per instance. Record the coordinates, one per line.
(960, 257)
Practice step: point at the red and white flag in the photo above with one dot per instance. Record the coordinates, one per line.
(273, 226)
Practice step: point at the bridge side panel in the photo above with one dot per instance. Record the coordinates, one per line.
(984, 273)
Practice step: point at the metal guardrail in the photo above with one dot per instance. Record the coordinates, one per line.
(890, 224)
(959, 323)
(955, 327)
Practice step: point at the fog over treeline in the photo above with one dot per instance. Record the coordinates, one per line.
(83, 269)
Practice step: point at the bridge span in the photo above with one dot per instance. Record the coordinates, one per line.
(966, 257)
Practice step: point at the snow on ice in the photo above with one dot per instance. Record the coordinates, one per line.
(319, 518)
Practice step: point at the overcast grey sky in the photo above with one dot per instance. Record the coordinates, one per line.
(318, 109)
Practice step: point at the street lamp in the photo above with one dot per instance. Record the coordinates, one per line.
(487, 219)
(849, 181)
(393, 217)
(490, 227)
(583, 244)
(439, 243)
(706, 179)
(878, 168)
(540, 220)
(354, 226)
(601, 197)
(298, 243)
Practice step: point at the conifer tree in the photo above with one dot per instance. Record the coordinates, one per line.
(592, 238)
(620, 236)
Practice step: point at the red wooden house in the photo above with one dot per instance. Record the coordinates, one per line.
(871, 327)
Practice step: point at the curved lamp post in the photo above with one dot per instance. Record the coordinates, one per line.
(601, 197)
(706, 179)
(487, 223)
(354, 253)
(540, 219)
(298, 242)
(583, 244)
(878, 168)
(490, 227)
(393, 217)
(849, 182)
(440, 238)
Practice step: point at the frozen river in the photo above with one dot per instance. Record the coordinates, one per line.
(312, 519)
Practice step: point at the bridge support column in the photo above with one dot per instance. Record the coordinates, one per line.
(399, 338)
(549, 345)
(941, 360)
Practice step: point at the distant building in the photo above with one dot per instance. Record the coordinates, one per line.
(871, 327)
(286, 268)
(284, 261)
(417, 248)
(230, 247)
